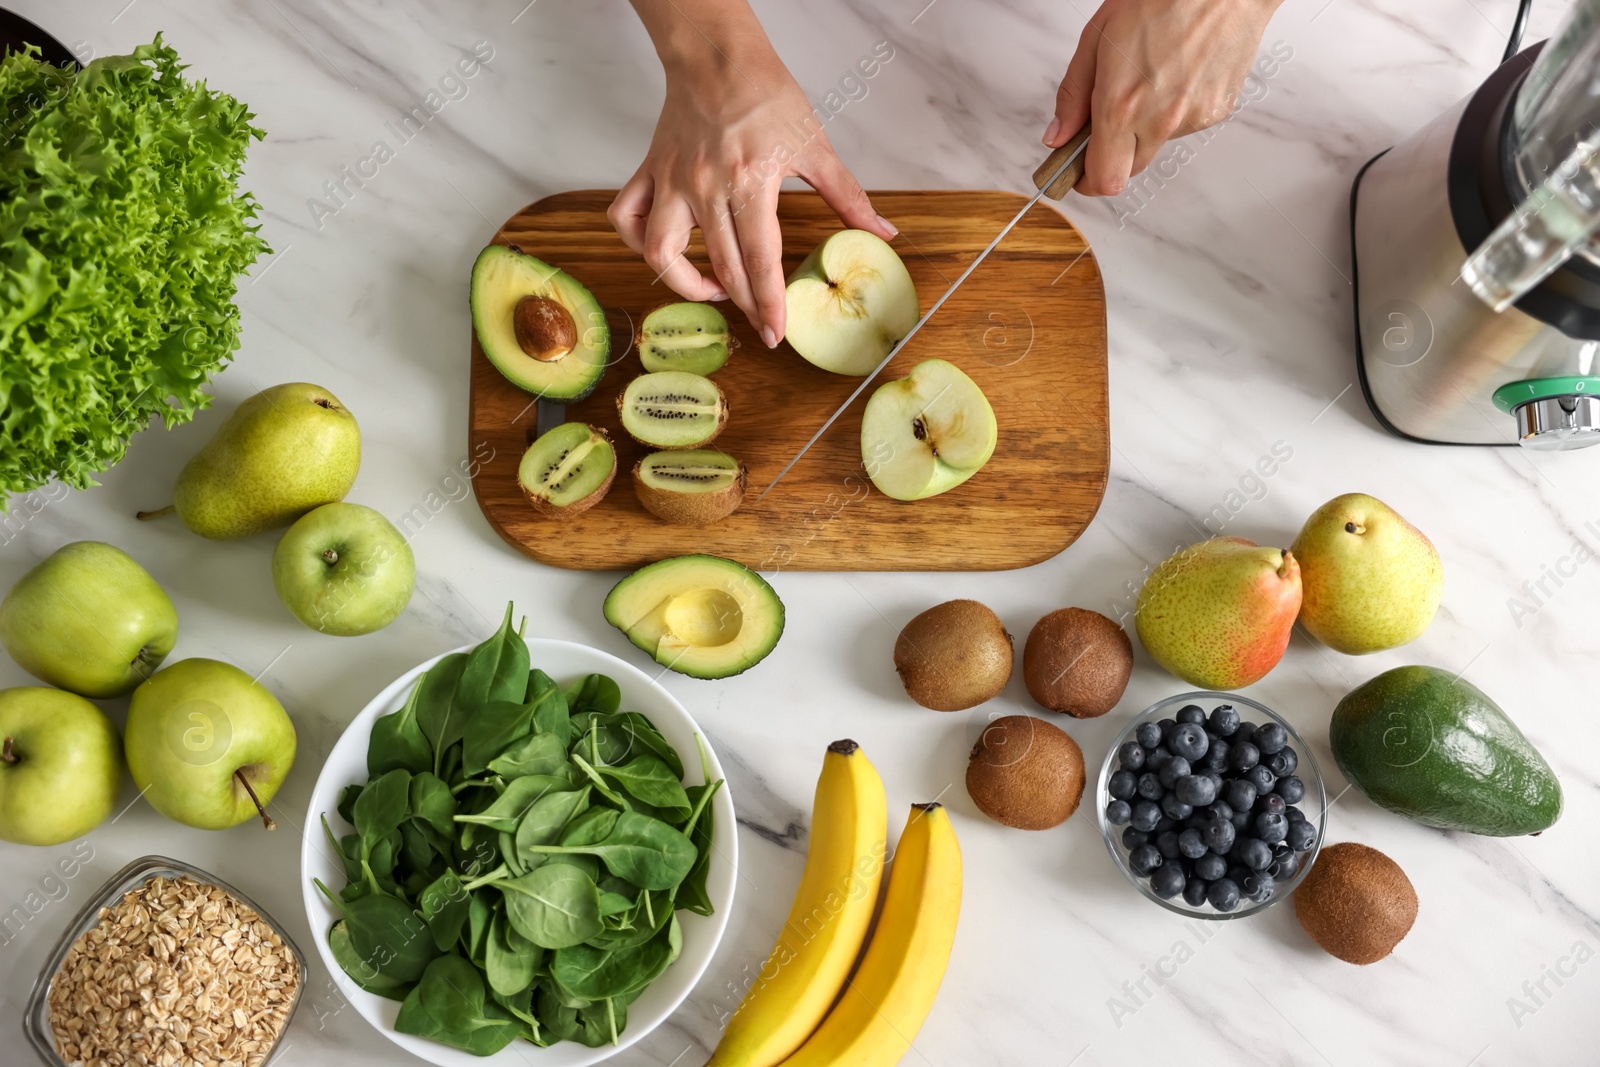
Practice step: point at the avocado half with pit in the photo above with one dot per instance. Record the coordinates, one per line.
(703, 616)
(540, 328)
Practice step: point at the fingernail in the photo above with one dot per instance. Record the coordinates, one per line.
(770, 336)
(1051, 130)
(894, 231)
(718, 295)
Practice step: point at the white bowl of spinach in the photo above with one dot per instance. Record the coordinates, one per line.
(523, 843)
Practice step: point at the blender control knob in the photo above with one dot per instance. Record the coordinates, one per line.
(1557, 423)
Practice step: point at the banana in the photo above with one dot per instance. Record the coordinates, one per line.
(828, 921)
(884, 1005)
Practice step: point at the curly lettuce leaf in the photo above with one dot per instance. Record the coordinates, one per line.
(122, 234)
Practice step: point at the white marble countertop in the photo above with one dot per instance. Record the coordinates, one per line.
(1230, 331)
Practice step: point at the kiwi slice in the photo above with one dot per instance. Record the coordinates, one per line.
(689, 487)
(673, 409)
(687, 337)
(568, 469)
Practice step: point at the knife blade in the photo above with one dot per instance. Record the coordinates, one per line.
(1058, 173)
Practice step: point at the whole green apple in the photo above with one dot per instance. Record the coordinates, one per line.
(60, 766)
(344, 569)
(88, 619)
(207, 744)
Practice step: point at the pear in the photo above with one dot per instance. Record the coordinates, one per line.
(1218, 614)
(1372, 580)
(286, 450)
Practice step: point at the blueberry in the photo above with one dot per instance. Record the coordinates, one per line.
(1144, 859)
(1223, 894)
(1188, 740)
(1192, 789)
(1261, 777)
(1270, 803)
(1194, 892)
(1282, 762)
(1167, 822)
(1175, 768)
(1211, 866)
(1130, 756)
(1216, 757)
(1122, 785)
(1237, 873)
(1240, 793)
(1145, 815)
(1118, 812)
(1224, 720)
(1242, 755)
(1166, 727)
(1283, 868)
(1132, 838)
(1240, 821)
(1245, 732)
(1220, 809)
(1149, 786)
(1191, 713)
(1254, 853)
(1291, 789)
(1301, 835)
(1167, 881)
(1167, 845)
(1294, 813)
(1191, 844)
(1149, 734)
(1258, 886)
(1270, 738)
(1271, 828)
(1219, 836)
(1155, 757)
(1175, 808)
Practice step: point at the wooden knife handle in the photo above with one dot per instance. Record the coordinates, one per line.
(1070, 176)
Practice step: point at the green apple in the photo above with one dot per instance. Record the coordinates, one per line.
(88, 619)
(1372, 580)
(344, 569)
(926, 433)
(60, 766)
(848, 303)
(207, 744)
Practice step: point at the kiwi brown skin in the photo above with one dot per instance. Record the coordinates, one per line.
(954, 656)
(545, 509)
(1355, 903)
(722, 423)
(1078, 662)
(1026, 773)
(689, 509)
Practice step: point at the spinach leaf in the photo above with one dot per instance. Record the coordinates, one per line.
(559, 1020)
(553, 906)
(536, 754)
(509, 807)
(439, 716)
(416, 851)
(544, 821)
(362, 973)
(386, 934)
(645, 851)
(550, 711)
(648, 779)
(348, 849)
(590, 827)
(480, 916)
(496, 670)
(448, 1005)
(691, 893)
(510, 961)
(593, 693)
(381, 806)
(445, 907)
(587, 864)
(644, 736)
(491, 729)
(598, 974)
(599, 783)
(397, 741)
(347, 801)
(431, 802)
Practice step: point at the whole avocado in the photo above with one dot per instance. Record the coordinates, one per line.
(1425, 744)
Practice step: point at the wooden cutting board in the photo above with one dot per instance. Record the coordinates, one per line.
(1029, 326)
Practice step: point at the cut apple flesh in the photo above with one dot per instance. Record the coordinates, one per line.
(685, 337)
(926, 433)
(849, 302)
(567, 466)
(672, 409)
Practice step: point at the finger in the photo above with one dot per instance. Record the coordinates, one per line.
(722, 247)
(839, 189)
(1074, 92)
(762, 243)
(665, 238)
(631, 209)
(1107, 162)
(1146, 148)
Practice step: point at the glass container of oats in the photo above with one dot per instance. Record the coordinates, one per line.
(166, 965)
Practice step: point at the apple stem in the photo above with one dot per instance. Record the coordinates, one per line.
(8, 753)
(331, 556)
(146, 516)
(266, 820)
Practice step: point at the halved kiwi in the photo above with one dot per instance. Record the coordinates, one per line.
(689, 487)
(685, 336)
(673, 409)
(567, 470)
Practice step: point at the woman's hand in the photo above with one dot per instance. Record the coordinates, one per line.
(734, 124)
(1148, 70)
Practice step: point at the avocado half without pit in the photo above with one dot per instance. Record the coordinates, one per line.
(567, 470)
(689, 487)
(703, 616)
(538, 325)
(673, 409)
(687, 337)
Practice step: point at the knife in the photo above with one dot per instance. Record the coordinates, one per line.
(1058, 173)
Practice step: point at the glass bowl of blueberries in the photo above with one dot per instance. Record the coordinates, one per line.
(1212, 805)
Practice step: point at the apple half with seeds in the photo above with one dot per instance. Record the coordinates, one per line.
(927, 433)
(849, 302)
(567, 470)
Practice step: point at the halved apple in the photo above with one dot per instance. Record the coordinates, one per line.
(927, 433)
(849, 302)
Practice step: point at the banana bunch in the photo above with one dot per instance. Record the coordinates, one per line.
(785, 1017)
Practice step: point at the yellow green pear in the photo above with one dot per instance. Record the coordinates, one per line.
(286, 450)
(1370, 579)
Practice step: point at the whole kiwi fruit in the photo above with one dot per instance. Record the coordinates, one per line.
(1025, 772)
(1077, 661)
(953, 656)
(1356, 903)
